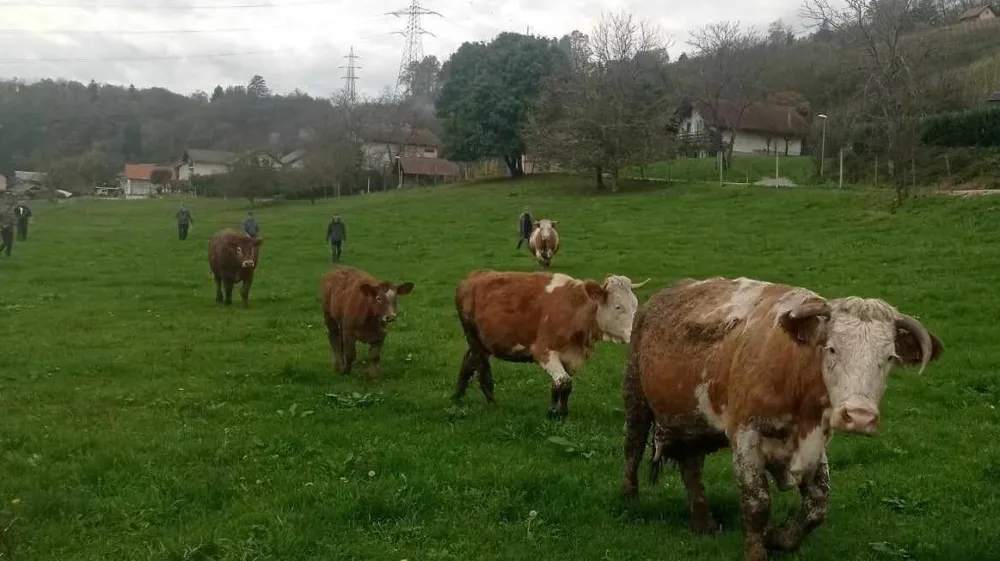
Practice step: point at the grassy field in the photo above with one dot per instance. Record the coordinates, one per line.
(141, 421)
(799, 169)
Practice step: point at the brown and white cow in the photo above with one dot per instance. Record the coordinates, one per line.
(232, 257)
(544, 241)
(552, 320)
(768, 370)
(358, 307)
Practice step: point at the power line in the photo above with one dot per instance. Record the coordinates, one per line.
(351, 77)
(135, 32)
(138, 58)
(413, 51)
(144, 7)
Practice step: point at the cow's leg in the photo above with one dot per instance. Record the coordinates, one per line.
(375, 360)
(486, 377)
(755, 497)
(227, 284)
(218, 288)
(702, 521)
(347, 354)
(245, 292)
(815, 502)
(465, 374)
(638, 420)
(562, 383)
(333, 335)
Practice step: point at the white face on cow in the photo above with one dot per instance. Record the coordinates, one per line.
(617, 309)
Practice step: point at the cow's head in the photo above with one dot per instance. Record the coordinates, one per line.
(247, 249)
(861, 341)
(546, 224)
(616, 306)
(382, 299)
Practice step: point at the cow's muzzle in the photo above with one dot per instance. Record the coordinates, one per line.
(248, 264)
(389, 318)
(857, 420)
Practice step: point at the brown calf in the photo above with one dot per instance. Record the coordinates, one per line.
(552, 320)
(767, 369)
(544, 241)
(358, 307)
(232, 257)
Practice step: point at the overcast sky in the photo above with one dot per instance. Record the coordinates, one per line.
(298, 43)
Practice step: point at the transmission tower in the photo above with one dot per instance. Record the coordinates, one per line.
(350, 91)
(413, 51)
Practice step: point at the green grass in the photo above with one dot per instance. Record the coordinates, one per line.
(141, 421)
(799, 169)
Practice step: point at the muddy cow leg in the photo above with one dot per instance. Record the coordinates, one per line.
(755, 497)
(333, 335)
(815, 502)
(638, 420)
(227, 284)
(245, 292)
(218, 288)
(486, 377)
(347, 354)
(465, 374)
(562, 383)
(702, 521)
(375, 360)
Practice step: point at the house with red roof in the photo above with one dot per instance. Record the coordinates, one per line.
(137, 180)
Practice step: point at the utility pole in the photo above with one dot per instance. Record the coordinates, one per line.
(350, 89)
(413, 50)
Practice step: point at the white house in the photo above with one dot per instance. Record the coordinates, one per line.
(3, 182)
(763, 128)
(203, 162)
(979, 13)
(294, 159)
(136, 181)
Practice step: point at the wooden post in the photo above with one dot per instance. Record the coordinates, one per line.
(369, 185)
(841, 168)
(720, 167)
(876, 171)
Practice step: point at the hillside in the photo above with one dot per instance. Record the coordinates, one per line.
(155, 425)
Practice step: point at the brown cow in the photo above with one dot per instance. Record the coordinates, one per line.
(767, 369)
(232, 256)
(552, 320)
(544, 241)
(358, 307)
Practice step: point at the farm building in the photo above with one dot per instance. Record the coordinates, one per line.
(978, 13)
(762, 128)
(423, 171)
(137, 180)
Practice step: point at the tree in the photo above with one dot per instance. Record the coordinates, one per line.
(780, 33)
(132, 92)
(161, 177)
(729, 64)
(132, 142)
(253, 177)
(258, 87)
(890, 96)
(217, 94)
(487, 91)
(94, 90)
(608, 104)
(422, 79)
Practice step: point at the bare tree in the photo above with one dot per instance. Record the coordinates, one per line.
(730, 60)
(608, 103)
(890, 96)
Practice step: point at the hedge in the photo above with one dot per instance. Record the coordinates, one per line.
(969, 127)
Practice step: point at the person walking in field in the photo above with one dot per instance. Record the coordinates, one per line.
(6, 229)
(336, 234)
(184, 222)
(250, 226)
(22, 213)
(524, 226)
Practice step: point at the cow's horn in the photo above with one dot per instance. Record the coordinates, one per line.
(910, 324)
(813, 309)
(640, 285)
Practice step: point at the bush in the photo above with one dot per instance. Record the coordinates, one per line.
(970, 127)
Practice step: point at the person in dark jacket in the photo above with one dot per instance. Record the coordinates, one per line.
(22, 213)
(6, 228)
(250, 226)
(336, 234)
(524, 226)
(184, 222)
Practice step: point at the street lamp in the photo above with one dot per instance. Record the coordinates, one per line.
(822, 150)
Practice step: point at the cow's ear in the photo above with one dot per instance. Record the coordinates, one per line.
(595, 291)
(807, 323)
(555, 223)
(537, 224)
(404, 289)
(258, 242)
(368, 290)
(908, 347)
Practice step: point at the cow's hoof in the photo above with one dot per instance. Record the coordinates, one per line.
(557, 413)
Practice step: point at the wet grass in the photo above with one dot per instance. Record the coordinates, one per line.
(141, 421)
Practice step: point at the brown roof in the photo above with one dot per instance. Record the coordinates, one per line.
(434, 167)
(973, 13)
(399, 135)
(758, 117)
(143, 172)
